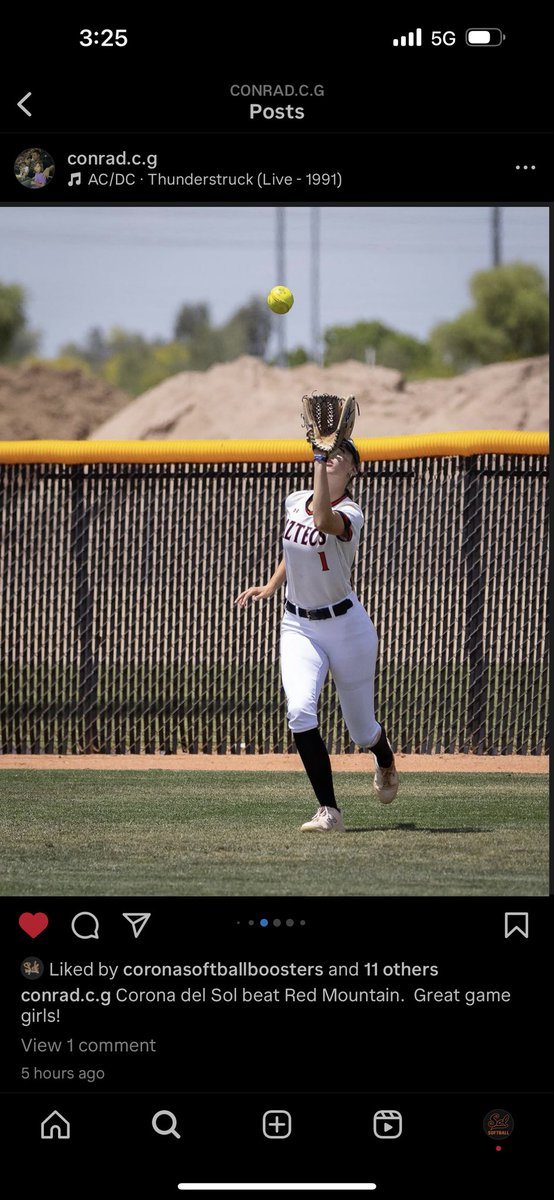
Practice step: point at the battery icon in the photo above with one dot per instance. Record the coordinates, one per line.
(484, 37)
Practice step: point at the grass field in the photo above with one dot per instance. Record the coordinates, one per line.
(155, 833)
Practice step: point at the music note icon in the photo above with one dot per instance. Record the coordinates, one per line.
(75, 179)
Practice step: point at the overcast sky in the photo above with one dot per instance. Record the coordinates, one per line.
(134, 267)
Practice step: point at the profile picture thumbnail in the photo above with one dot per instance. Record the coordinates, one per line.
(32, 968)
(34, 168)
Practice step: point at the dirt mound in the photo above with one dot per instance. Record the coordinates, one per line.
(36, 402)
(248, 398)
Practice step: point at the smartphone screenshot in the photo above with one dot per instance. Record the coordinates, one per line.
(274, 538)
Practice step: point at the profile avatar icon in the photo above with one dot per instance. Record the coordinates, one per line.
(34, 168)
(498, 1124)
(32, 968)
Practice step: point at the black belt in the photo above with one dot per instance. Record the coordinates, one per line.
(319, 614)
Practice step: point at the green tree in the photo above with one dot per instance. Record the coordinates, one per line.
(25, 343)
(246, 332)
(62, 362)
(15, 339)
(353, 341)
(509, 319)
(95, 349)
(136, 364)
(206, 348)
(191, 320)
(371, 341)
(404, 353)
(248, 329)
(297, 357)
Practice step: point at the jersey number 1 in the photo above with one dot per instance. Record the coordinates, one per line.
(324, 564)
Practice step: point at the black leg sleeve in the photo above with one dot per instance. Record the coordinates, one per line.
(382, 750)
(317, 764)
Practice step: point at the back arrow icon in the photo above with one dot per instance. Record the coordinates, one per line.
(21, 104)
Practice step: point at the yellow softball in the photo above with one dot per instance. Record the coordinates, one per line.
(280, 300)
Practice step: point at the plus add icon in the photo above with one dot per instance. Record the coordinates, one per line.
(277, 1123)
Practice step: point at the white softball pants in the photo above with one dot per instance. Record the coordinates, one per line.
(347, 646)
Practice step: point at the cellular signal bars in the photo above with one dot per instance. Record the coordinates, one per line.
(408, 39)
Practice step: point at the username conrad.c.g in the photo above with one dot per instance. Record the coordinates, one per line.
(277, 89)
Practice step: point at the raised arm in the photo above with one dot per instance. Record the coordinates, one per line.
(325, 519)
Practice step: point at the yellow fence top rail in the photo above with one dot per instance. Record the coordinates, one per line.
(423, 445)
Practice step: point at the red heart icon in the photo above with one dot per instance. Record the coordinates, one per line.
(33, 923)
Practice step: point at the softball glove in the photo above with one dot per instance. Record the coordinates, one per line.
(328, 421)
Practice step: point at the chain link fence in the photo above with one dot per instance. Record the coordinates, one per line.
(120, 633)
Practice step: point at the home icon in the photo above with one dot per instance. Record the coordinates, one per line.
(55, 1126)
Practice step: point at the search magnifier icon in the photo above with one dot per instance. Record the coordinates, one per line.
(172, 1127)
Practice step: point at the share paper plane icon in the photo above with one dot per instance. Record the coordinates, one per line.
(137, 920)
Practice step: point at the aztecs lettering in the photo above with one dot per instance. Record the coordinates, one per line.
(303, 534)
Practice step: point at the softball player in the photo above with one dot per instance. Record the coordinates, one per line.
(325, 627)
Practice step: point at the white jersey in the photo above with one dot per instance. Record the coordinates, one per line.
(319, 565)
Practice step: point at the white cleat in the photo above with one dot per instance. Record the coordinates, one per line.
(386, 782)
(326, 820)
